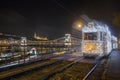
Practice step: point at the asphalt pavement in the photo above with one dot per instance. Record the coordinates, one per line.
(113, 72)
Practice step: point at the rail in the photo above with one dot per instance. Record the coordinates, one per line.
(90, 72)
(21, 71)
(46, 77)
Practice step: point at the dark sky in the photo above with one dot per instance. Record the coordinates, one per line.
(48, 18)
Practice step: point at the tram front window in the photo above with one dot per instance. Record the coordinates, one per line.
(90, 36)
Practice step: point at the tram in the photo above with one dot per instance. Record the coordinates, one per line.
(97, 39)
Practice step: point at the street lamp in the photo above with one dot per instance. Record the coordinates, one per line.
(78, 25)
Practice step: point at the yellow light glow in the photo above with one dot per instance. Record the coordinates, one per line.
(79, 25)
(40, 38)
(91, 48)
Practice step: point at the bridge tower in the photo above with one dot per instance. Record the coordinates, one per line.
(23, 44)
(67, 40)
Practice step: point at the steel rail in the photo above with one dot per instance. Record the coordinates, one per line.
(90, 72)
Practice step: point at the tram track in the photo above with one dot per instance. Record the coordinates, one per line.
(6, 75)
(98, 71)
(90, 72)
(42, 73)
(75, 72)
(58, 69)
(21, 68)
(80, 71)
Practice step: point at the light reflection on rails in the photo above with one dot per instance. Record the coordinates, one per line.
(94, 67)
(90, 72)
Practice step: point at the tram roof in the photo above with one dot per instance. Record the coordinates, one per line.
(96, 26)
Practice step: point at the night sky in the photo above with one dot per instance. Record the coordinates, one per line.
(54, 18)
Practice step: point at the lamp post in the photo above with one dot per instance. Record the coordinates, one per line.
(77, 32)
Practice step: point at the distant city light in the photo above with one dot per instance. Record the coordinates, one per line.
(39, 38)
(1, 33)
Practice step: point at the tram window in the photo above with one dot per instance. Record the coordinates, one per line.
(105, 36)
(90, 36)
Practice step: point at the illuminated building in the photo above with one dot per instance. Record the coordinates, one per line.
(39, 38)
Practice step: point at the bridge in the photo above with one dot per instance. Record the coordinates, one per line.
(67, 40)
(64, 43)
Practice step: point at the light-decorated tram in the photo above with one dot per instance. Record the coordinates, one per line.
(97, 39)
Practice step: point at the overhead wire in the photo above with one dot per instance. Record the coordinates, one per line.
(67, 10)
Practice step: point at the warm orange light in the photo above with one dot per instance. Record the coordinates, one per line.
(40, 38)
(79, 25)
(91, 48)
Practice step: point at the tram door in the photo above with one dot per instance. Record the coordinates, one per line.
(104, 44)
